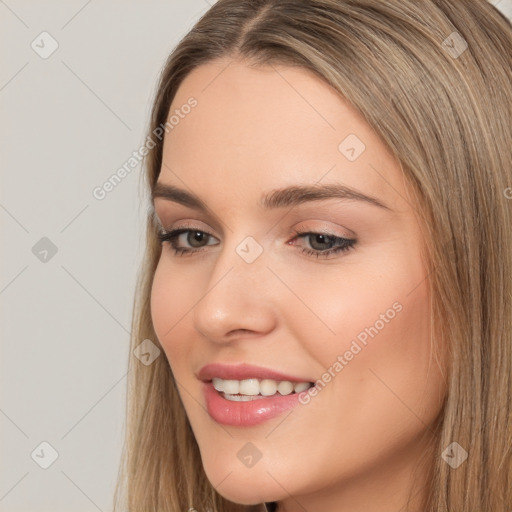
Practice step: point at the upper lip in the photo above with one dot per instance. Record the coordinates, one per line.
(243, 371)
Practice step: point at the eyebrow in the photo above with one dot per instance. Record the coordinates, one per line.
(277, 198)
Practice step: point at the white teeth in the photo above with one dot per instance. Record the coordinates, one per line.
(249, 389)
(268, 387)
(301, 386)
(242, 398)
(285, 387)
(217, 384)
(231, 386)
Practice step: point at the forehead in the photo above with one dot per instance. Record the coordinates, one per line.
(263, 127)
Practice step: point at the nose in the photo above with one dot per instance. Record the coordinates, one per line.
(239, 298)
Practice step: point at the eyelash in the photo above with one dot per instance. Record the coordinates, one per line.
(171, 236)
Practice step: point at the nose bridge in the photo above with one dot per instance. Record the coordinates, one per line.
(245, 258)
(236, 295)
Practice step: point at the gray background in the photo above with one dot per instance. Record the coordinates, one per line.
(69, 121)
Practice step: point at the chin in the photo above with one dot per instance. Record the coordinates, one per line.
(243, 486)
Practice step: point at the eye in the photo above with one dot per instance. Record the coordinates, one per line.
(196, 238)
(318, 241)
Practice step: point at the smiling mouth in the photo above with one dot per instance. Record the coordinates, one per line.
(242, 403)
(256, 389)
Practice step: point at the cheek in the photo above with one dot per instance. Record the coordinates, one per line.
(363, 302)
(169, 306)
(372, 328)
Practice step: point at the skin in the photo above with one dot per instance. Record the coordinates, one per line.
(356, 445)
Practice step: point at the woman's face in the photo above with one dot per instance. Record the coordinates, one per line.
(355, 322)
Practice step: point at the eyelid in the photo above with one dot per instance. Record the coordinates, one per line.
(324, 230)
(167, 216)
(194, 225)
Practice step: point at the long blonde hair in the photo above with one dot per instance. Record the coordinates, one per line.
(433, 79)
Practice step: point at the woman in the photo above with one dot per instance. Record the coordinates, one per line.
(328, 272)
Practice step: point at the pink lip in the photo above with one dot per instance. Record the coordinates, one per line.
(246, 414)
(243, 371)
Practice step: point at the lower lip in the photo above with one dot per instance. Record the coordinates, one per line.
(246, 414)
